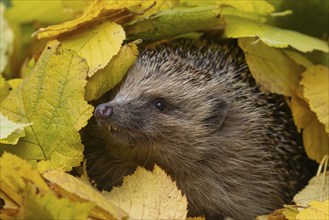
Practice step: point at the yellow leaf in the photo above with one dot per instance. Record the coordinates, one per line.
(316, 90)
(77, 190)
(271, 68)
(315, 138)
(316, 189)
(10, 131)
(14, 174)
(275, 215)
(96, 44)
(196, 218)
(238, 27)
(149, 195)
(14, 83)
(300, 110)
(96, 11)
(316, 210)
(38, 205)
(290, 212)
(8, 202)
(4, 88)
(6, 42)
(46, 12)
(298, 58)
(52, 98)
(105, 79)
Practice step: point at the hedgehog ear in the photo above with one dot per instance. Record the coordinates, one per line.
(218, 114)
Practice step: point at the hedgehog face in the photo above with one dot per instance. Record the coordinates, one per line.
(163, 101)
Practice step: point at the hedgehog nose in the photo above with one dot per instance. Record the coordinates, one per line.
(103, 111)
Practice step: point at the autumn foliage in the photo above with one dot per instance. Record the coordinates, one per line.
(58, 56)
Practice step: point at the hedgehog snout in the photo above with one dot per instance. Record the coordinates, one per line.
(103, 111)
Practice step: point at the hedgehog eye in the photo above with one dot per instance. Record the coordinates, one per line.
(160, 104)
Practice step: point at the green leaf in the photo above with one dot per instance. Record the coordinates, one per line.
(105, 79)
(250, 6)
(52, 98)
(238, 27)
(164, 23)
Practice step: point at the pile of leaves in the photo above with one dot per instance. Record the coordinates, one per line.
(58, 56)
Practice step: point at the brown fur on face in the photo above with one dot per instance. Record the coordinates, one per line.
(218, 137)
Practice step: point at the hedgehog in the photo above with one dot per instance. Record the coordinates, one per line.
(193, 108)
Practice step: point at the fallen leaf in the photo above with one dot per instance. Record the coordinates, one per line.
(52, 98)
(52, 12)
(271, 68)
(97, 44)
(316, 210)
(238, 27)
(149, 195)
(290, 212)
(275, 215)
(38, 205)
(315, 81)
(77, 190)
(105, 79)
(14, 174)
(317, 189)
(11, 131)
(315, 138)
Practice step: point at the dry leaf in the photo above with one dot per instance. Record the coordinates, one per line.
(149, 195)
(317, 189)
(316, 210)
(77, 190)
(271, 68)
(316, 90)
